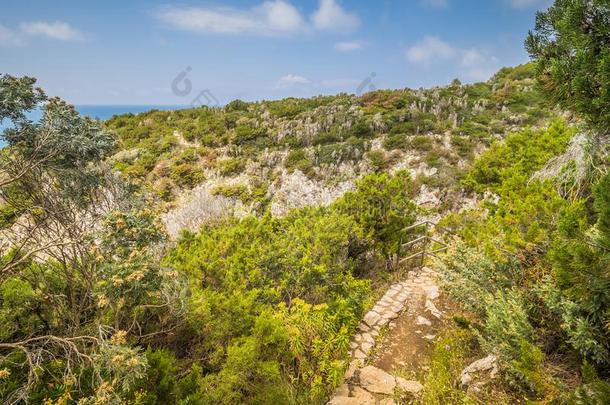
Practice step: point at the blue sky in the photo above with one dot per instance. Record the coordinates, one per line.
(130, 52)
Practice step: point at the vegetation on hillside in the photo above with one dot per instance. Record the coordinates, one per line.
(442, 127)
(99, 306)
(531, 268)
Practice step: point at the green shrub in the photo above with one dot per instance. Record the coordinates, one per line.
(381, 204)
(324, 138)
(238, 191)
(377, 159)
(506, 324)
(421, 143)
(245, 134)
(271, 294)
(237, 105)
(297, 160)
(396, 141)
(404, 128)
(231, 166)
(186, 174)
(361, 129)
(462, 144)
(159, 385)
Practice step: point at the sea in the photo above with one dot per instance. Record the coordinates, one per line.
(102, 112)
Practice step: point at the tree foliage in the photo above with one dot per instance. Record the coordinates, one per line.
(570, 47)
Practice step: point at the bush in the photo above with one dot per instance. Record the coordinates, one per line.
(361, 129)
(447, 360)
(237, 105)
(463, 145)
(377, 159)
(381, 205)
(271, 294)
(324, 138)
(297, 160)
(396, 141)
(421, 143)
(238, 191)
(245, 134)
(231, 166)
(186, 174)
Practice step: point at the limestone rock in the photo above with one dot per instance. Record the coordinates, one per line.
(433, 309)
(410, 386)
(359, 354)
(376, 380)
(351, 369)
(422, 321)
(489, 363)
(431, 292)
(344, 401)
(371, 318)
(342, 391)
(365, 397)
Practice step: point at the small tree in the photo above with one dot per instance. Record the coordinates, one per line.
(571, 47)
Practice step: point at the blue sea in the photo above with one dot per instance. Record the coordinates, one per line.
(103, 112)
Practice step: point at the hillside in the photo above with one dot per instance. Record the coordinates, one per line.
(279, 155)
(251, 253)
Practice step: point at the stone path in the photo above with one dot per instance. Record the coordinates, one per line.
(365, 383)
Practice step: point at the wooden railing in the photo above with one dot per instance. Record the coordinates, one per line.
(425, 240)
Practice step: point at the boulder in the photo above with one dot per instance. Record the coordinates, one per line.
(365, 397)
(489, 363)
(342, 391)
(344, 401)
(376, 380)
(410, 386)
(433, 309)
(371, 318)
(423, 321)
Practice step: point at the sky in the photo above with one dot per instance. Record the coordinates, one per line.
(212, 52)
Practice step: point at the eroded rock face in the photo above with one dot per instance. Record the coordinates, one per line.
(295, 190)
(198, 207)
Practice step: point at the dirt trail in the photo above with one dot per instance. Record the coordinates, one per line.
(394, 339)
(405, 349)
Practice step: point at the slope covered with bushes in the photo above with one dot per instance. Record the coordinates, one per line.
(248, 152)
(98, 305)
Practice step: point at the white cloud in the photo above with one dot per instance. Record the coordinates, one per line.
(270, 18)
(218, 21)
(472, 63)
(430, 49)
(8, 37)
(348, 46)
(282, 16)
(291, 80)
(55, 30)
(436, 3)
(331, 16)
(471, 57)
